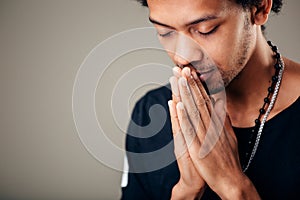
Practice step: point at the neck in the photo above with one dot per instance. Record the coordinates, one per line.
(245, 93)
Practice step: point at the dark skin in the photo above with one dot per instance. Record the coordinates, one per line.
(205, 144)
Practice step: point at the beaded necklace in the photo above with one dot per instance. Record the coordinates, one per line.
(266, 108)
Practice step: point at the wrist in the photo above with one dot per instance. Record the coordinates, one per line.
(242, 190)
(182, 191)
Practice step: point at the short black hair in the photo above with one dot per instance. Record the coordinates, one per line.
(276, 7)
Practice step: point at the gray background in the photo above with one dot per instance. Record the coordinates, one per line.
(43, 44)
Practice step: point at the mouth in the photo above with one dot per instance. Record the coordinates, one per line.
(205, 74)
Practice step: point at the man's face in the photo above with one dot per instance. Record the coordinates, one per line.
(213, 37)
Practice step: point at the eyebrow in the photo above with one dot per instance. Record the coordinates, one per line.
(197, 21)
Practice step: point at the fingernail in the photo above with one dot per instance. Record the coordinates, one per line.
(187, 71)
(176, 72)
(170, 102)
(180, 106)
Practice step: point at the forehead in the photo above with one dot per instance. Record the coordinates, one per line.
(176, 11)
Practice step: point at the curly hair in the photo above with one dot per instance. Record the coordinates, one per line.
(276, 7)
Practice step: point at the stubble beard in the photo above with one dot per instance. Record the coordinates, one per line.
(222, 79)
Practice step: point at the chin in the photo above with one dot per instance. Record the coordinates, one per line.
(216, 90)
(214, 87)
(215, 84)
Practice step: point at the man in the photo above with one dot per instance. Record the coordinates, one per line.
(237, 143)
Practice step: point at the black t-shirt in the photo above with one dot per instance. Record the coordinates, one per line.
(275, 169)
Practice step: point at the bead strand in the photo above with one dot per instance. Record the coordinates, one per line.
(279, 67)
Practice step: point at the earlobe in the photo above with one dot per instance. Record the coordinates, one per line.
(261, 12)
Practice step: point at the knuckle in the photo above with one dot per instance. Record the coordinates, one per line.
(199, 127)
(189, 131)
(201, 102)
(186, 91)
(194, 114)
(193, 152)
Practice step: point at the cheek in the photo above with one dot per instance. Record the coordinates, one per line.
(223, 49)
(233, 52)
(231, 42)
(221, 56)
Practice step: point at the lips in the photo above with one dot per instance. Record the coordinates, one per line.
(205, 74)
(205, 71)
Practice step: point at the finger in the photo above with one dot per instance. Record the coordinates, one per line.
(220, 116)
(188, 132)
(202, 103)
(225, 120)
(175, 90)
(179, 142)
(190, 106)
(177, 72)
(183, 157)
(215, 130)
(199, 93)
(202, 90)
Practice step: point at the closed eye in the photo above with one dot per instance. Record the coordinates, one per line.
(163, 35)
(209, 32)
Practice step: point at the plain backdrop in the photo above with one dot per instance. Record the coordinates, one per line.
(42, 45)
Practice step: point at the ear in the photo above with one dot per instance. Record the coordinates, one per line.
(261, 12)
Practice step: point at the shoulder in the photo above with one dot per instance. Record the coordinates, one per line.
(149, 128)
(159, 95)
(163, 92)
(156, 99)
(292, 71)
(289, 90)
(291, 78)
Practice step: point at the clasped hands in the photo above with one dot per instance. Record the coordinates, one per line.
(205, 145)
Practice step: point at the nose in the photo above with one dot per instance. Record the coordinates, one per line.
(186, 51)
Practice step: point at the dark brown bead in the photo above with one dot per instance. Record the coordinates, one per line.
(270, 89)
(257, 122)
(262, 111)
(267, 100)
(277, 66)
(270, 43)
(274, 78)
(274, 48)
